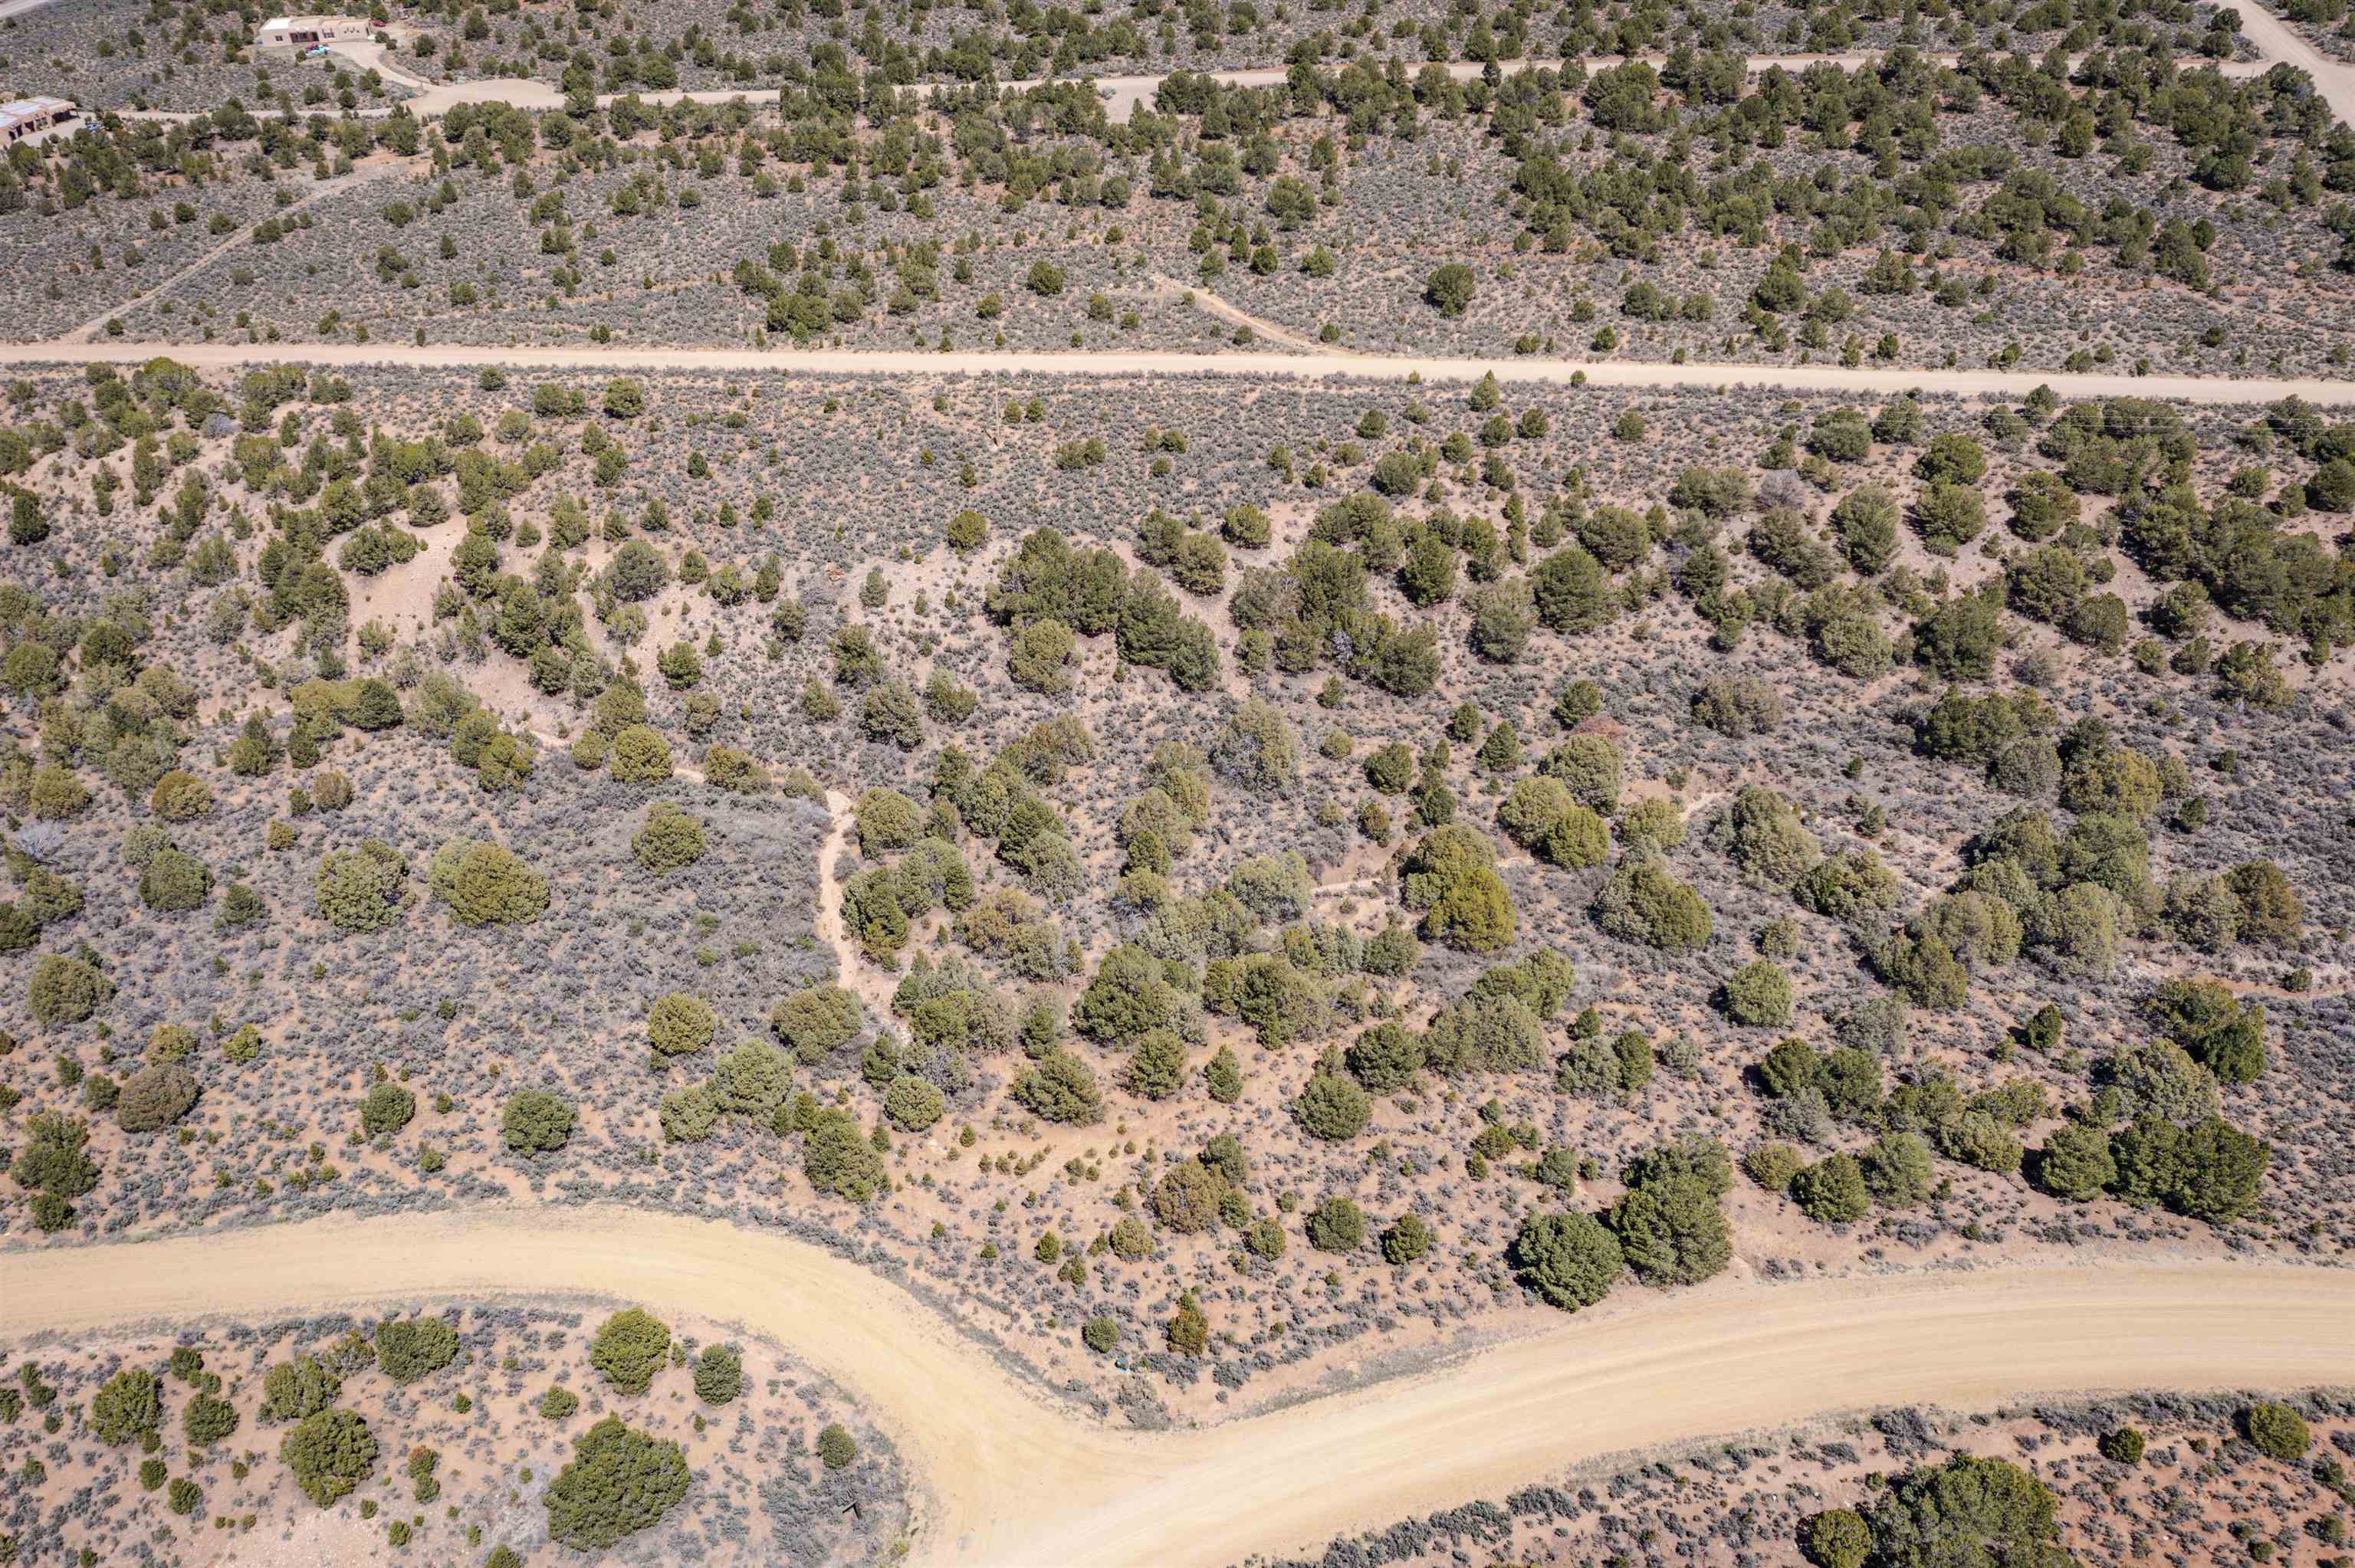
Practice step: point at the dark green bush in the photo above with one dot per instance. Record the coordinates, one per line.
(630, 1347)
(386, 1108)
(408, 1349)
(836, 1446)
(1336, 1224)
(128, 1406)
(360, 890)
(156, 1097)
(1570, 1260)
(66, 990)
(2275, 1431)
(534, 1121)
(620, 1481)
(1967, 1511)
(330, 1453)
(718, 1374)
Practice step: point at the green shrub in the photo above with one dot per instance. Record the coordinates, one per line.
(1837, 1538)
(754, 1080)
(1407, 1240)
(1897, 1170)
(966, 532)
(679, 1024)
(156, 1097)
(1100, 1334)
(66, 990)
(180, 797)
(2210, 1170)
(689, 1115)
(817, 1022)
(1642, 903)
(640, 755)
(558, 1403)
(52, 1161)
(1976, 1137)
(1671, 1230)
(914, 1103)
(360, 890)
(1388, 1056)
(207, 1420)
(671, 839)
(836, 1446)
(1188, 1329)
(1541, 815)
(298, 1388)
(1967, 1511)
(56, 794)
(1772, 1165)
(1332, 1107)
(385, 1108)
(1449, 288)
(1832, 1190)
(630, 1347)
(2123, 1446)
(1570, 1260)
(839, 1159)
(330, 1453)
(620, 1481)
(718, 1374)
(173, 882)
(2275, 1431)
(129, 1405)
(534, 1121)
(1059, 1088)
(1336, 1224)
(1758, 994)
(408, 1349)
(486, 884)
(1156, 1066)
(1450, 877)
(2209, 1023)
(2074, 1163)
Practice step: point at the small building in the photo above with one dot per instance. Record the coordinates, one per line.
(23, 117)
(301, 33)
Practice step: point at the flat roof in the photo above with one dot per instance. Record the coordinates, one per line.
(18, 109)
(312, 21)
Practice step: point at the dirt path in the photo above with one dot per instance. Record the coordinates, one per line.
(1235, 315)
(1007, 1478)
(1863, 382)
(325, 189)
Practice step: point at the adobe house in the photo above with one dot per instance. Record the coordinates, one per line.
(23, 117)
(301, 33)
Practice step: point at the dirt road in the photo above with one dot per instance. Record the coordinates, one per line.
(1863, 382)
(1008, 1480)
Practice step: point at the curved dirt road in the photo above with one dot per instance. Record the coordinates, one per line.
(1005, 1478)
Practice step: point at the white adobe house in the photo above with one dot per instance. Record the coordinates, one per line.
(301, 33)
(23, 117)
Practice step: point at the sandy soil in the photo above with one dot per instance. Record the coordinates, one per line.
(1859, 382)
(1005, 1478)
